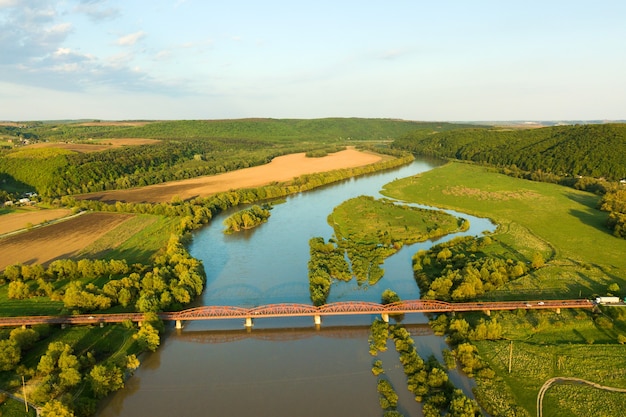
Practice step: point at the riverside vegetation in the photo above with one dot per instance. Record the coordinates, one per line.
(367, 231)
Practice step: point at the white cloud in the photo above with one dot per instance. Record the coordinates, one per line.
(96, 11)
(7, 3)
(131, 38)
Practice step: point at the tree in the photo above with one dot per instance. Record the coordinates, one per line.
(105, 379)
(613, 288)
(537, 261)
(56, 408)
(387, 396)
(148, 337)
(10, 355)
(461, 406)
(24, 338)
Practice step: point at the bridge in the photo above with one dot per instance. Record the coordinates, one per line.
(344, 308)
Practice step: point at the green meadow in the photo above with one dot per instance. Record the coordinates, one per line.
(561, 223)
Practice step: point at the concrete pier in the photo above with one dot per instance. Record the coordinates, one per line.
(318, 320)
(179, 324)
(248, 322)
(385, 317)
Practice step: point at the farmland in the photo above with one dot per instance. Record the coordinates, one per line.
(282, 168)
(60, 240)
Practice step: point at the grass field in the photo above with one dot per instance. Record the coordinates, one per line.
(136, 240)
(364, 219)
(561, 223)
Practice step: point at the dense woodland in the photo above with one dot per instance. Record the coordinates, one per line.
(585, 150)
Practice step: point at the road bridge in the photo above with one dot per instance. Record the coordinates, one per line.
(344, 308)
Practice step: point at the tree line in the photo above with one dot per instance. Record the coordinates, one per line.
(171, 282)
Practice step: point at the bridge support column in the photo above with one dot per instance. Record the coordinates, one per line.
(487, 312)
(558, 310)
(101, 324)
(179, 324)
(317, 320)
(385, 317)
(248, 323)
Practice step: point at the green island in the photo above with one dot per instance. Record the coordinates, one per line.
(367, 231)
(246, 219)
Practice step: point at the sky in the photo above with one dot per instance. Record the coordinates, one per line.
(416, 60)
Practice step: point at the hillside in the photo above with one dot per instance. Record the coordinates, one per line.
(586, 150)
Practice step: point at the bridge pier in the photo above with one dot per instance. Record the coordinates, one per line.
(558, 310)
(487, 312)
(385, 317)
(248, 323)
(179, 324)
(317, 319)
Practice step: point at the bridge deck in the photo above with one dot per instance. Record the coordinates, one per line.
(300, 310)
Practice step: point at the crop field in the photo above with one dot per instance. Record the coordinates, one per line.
(282, 168)
(22, 218)
(59, 240)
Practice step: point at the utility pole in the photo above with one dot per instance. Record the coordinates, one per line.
(510, 356)
(24, 393)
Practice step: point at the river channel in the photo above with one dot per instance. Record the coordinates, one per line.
(282, 367)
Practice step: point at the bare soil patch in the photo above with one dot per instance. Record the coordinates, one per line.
(96, 145)
(282, 168)
(29, 217)
(59, 240)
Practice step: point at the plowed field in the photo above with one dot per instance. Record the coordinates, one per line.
(282, 168)
(61, 240)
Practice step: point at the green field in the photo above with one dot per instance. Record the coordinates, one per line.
(365, 219)
(561, 223)
(136, 240)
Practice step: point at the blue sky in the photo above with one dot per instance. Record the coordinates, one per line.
(415, 60)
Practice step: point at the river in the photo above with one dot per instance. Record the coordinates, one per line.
(282, 367)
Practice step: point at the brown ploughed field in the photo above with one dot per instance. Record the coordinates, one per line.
(60, 240)
(282, 168)
(24, 219)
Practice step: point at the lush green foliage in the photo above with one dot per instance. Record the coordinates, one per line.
(246, 219)
(587, 150)
(325, 263)
(174, 280)
(615, 203)
(427, 380)
(464, 269)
